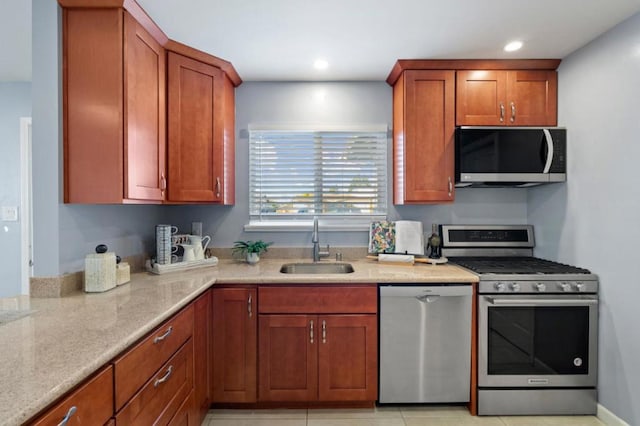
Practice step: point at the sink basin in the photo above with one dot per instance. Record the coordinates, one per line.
(316, 268)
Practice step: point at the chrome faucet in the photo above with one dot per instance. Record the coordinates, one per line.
(317, 254)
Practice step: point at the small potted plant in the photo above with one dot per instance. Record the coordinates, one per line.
(251, 249)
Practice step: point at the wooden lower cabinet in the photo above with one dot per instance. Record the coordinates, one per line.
(318, 343)
(348, 358)
(234, 338)
(202, 347)
(318, 358)
(288, 358)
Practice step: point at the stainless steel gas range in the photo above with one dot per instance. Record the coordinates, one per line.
(537, 323)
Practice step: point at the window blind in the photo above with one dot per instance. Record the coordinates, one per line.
(317, 173)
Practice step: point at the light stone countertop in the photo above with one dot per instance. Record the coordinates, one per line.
(65, 340)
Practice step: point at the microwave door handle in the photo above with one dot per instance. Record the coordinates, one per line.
(549, 139)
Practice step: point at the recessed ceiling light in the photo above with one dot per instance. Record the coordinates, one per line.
(320, 64)
(513, 46)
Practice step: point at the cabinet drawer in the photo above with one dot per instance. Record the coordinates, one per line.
(135, 367)
(318, 300)
(184, 416)
(161, 397)
(93, 402)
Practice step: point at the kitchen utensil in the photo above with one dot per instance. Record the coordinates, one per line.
(199, 244)
(189, 253)
(163, 243)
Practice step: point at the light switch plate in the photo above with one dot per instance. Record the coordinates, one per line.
(10, 213)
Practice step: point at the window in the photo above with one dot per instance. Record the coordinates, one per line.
(328, 173)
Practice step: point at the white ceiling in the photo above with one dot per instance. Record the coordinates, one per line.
(361, 39)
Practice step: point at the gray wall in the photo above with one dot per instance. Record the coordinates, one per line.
(339, 103)
(592, 221)
(15, 102)
(64, 234)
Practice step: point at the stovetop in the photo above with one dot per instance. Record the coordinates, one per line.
(515, 265)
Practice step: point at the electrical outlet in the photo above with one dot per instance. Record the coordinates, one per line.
(10, 213)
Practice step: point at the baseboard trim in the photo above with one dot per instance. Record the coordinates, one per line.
(608, 418)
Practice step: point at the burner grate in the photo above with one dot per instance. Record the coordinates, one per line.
(516, 265)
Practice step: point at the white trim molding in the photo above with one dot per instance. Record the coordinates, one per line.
(26, 216)
(609, 418)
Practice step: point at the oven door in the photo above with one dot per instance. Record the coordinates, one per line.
(537, 341)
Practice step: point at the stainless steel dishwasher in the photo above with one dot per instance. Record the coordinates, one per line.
(425, 343)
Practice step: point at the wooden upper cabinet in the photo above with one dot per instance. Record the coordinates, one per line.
(144, 114)
(423, 137)
(201, 132)
(114, 107)
(506, 98)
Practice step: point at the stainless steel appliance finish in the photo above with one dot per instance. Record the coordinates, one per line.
(537, 323)
(425, 343)
(510, 156)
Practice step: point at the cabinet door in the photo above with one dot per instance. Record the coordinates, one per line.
(234, 344)
(481, 98)
(288, 358)
(423, 139)
(144, 114)
(532, 97)
(202, 354)
(196, 133)
(348, 358)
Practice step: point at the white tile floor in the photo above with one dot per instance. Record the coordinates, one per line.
(383, 416)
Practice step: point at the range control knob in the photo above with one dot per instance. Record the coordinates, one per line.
(565, 287)
(579, 287)
(540, 287)
(500, 286)
(514, 286)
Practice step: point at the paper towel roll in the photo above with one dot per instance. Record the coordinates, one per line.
(409, 237)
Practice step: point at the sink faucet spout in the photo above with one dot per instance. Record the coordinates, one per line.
(317, 254)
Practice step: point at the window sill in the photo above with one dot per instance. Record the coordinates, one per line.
(328, 225)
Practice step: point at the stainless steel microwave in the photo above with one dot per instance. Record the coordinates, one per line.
(510, 156)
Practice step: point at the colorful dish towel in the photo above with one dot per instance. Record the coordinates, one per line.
(382, 237)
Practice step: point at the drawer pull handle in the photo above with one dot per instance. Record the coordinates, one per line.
(67, 416)
(324, 331)
(311, 331)
(163, 336)
(164, 378)
(249, 307)
(513, 112)
(501, 112)
(217, 187)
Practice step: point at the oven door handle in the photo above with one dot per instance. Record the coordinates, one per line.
(541, 302)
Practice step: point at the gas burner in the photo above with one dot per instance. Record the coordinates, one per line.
(515, 265)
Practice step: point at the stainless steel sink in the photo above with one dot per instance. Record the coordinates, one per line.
(316, 268)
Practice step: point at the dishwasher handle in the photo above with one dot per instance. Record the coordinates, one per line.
(420, 291)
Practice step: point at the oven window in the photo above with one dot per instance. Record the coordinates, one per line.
(538, 340)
